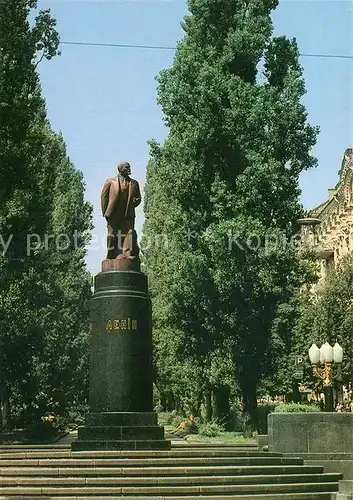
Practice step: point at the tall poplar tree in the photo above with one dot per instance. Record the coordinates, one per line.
(43, 291)
(229, 170)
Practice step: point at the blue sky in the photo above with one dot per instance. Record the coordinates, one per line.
(103, 99)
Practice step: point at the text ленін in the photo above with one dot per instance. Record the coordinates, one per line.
(121, 324)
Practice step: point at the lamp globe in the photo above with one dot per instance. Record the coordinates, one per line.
(314, 354)
(337, 353)
(327, 352)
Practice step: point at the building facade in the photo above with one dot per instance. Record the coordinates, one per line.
(331, 227)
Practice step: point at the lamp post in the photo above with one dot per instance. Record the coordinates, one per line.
(323, 361)
(311, 223)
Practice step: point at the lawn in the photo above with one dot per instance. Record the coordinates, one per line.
(226, 438)
(223, 438)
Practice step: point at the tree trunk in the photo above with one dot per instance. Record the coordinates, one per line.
(296, 396)
(221, 406)
(169, 402)
(249, 410)
(197, 410)
(177, 405)
(208, 405)
(5, 409)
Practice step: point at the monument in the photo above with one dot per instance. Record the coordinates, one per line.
(120, 391)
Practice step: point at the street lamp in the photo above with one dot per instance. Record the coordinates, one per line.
(311, 223)
(322, 361)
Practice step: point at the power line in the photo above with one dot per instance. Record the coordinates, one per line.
(330, 56)
(120, 45)
(165, 47)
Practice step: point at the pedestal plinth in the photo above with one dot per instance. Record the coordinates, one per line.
(120, 396)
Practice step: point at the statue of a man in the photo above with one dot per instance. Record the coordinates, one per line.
(120, 196)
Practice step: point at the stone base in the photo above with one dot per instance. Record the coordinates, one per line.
(121, 369)
(123, 264)
(121, 431)
(321, 432)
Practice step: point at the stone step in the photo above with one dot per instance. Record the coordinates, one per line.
(271, 496)
(150, 462)
(179, 444)
(240, 446)
(186, 453)
(318, 456)
(164, 480)
(171, 491)
(184, 471)
(9, 447)
(110, 444)
(186, 444)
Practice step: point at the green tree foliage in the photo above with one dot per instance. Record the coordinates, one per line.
(62, 366)
(318, 314)
(331, 311)
(44, 290)
(238, 140)
(292, 333)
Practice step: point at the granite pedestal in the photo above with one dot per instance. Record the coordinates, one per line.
(120, 397)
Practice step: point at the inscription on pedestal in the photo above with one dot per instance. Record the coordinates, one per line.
(121, 324)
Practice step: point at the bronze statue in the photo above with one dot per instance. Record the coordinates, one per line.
(120, 196)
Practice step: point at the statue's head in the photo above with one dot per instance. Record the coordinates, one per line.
(124, 168)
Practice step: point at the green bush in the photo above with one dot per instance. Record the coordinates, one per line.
(295, 408)
(164, 418)
(169, 418)
(238, 419)
(210, 429)
(177, 419)
(76, 414)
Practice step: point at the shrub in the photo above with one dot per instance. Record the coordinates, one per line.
(295, 408)
(238, 419)
(169, 418)
(210, 429)
(176, 420)
(76, 414)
